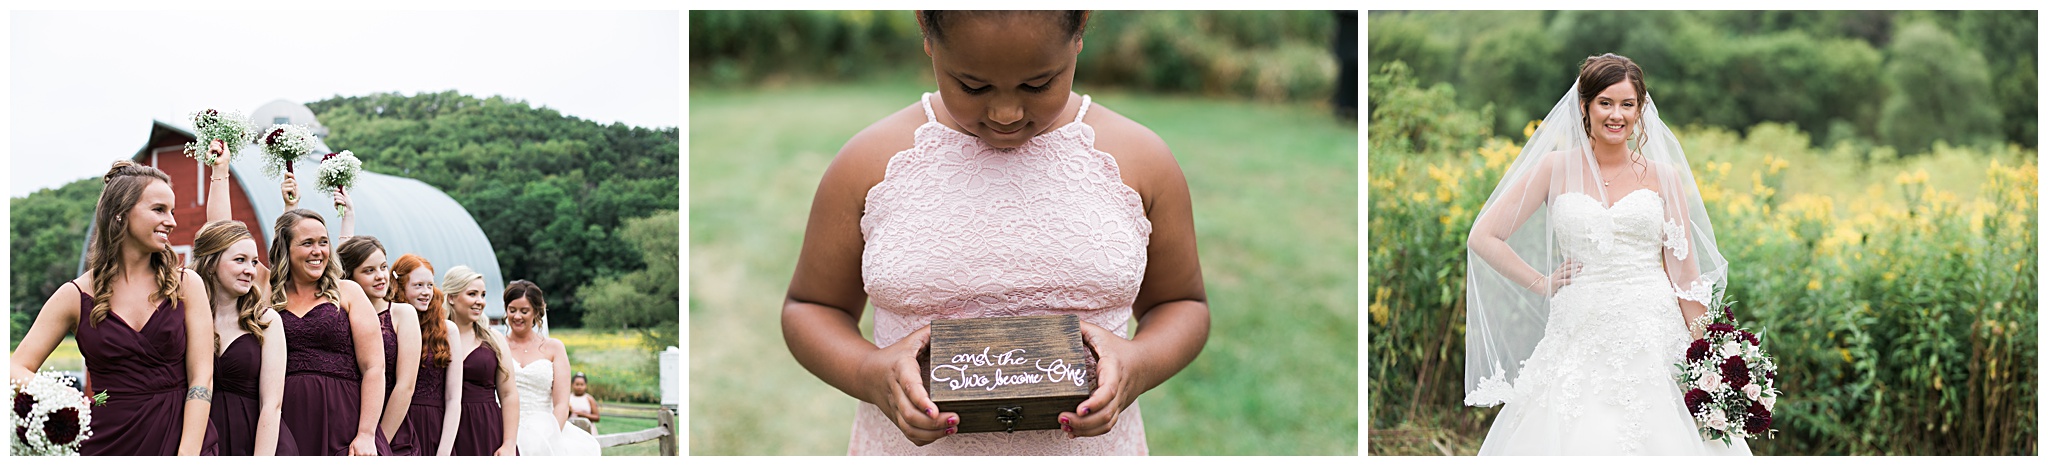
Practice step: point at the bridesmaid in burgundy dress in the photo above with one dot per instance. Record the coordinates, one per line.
(249, 369)
(140, 322)
(362, 262)
(334, 368)
(439, 383)
(487, 427)
(248, 364)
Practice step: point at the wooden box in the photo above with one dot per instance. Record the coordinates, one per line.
(1005, 374)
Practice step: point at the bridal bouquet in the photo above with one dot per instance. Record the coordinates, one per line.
(284, 144)
(50, 418)
(338, 172)
(227, 127)
(1729, 381)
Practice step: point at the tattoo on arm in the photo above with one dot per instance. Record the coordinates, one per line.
(199, 393)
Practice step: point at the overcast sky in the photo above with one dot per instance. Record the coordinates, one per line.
(85, 85)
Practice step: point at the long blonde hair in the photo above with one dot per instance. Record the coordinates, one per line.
(327, 286)
(212, 243)
(457, 279)
(124, 184)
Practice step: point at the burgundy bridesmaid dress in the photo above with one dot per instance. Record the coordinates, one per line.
(143, 374)
(420, 434)
(237, 376)
(322, 385)
(482, 428)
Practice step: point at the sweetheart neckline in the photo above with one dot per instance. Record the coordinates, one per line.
(1624, 197)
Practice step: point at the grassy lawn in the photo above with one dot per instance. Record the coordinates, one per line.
(1275, 196)
(618, 367)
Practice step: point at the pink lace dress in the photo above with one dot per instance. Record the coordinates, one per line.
(958, 229)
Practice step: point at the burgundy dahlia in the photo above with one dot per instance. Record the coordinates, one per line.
(274, 134)
(1696, 400)
(1728, 311)
(1759, 419)
(1744, 335)
(1720, 328)
(24, 403)
(1771, 376)
(62, 428)
(1698, 350)
(1735, 371)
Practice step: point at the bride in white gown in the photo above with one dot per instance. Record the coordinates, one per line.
(1583, 356)
(541, 374)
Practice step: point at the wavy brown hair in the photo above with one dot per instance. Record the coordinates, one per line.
(124, 184)
(327, 286)
(1600, 71)
(526, 289)
(207, 248)
(433, 336)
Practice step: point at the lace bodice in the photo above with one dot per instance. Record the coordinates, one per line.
(536, 383)
(320, 343)
(957, 228)
(1623, 240)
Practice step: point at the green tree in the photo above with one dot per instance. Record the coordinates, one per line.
(550, 191)
(1940, 91)
(644, 300)
(46, 237)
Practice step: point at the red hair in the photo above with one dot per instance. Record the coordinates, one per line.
(433, 334)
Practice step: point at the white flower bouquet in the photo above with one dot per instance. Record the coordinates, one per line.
(1730, 383)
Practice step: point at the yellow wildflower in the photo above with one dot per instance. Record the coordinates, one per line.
(1813, 285)
(1845, 355)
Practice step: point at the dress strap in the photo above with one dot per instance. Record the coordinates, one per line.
(927, 102)
(1078, 116)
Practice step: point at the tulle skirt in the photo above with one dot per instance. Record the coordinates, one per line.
(539, 437)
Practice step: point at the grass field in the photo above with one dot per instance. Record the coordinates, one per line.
(1275, 194)
(611, 424)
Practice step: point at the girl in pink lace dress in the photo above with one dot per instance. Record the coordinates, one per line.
(1002, 194)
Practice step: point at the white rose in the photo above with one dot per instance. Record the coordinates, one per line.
(1730, 349)
(1717, 420)
(1753, 390)
(1770, 403)
(1711, 382)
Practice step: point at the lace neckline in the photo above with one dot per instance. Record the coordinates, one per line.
(932, 119)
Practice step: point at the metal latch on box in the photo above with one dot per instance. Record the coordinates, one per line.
(1010, 416)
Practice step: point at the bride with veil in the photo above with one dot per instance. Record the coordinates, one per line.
(1584, 270)
(541, 373)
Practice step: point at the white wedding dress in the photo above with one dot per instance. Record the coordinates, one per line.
(1602, 379)
(539, 434)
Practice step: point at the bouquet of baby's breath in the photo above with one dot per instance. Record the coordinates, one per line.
(228, 127)
(337, 173)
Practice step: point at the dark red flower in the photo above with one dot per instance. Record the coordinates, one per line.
(24, 403)
(1759, 419)
(1697, 399)
(1719, 328)
(1771, 376)
(274, 134)
(62, 427)
(210, 112)
(1744, 335)
(1698, 350)
(1735, 371)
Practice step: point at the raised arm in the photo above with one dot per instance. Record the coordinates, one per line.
(451, 393)
(406, 323)
(198, 362)
(369, 349)
(218, 199)
(270, 385)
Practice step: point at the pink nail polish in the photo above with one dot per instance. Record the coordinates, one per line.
(1084, 410)
(951, 430)
(953, 421)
